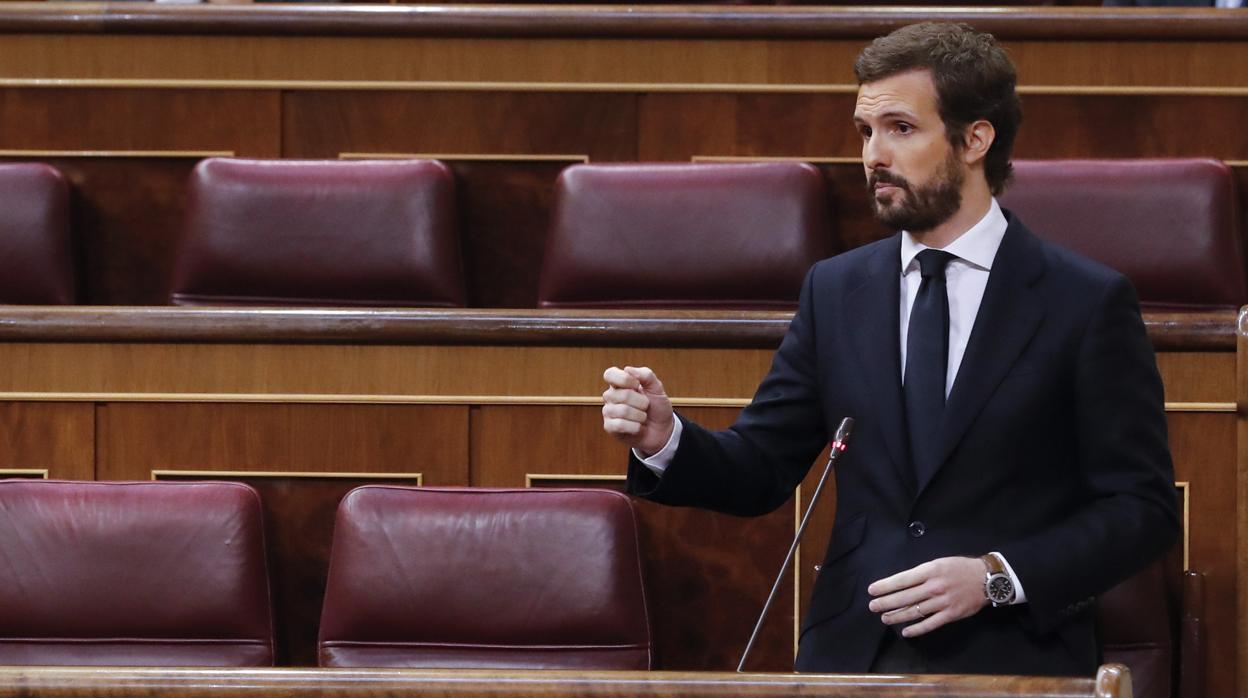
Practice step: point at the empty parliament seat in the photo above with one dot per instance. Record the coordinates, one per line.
(133, 574)
(1171, 226)
(484, 578)
(35, 245)
(684, 236)
(300, 232)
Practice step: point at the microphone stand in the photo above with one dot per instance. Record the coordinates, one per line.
(838, 446)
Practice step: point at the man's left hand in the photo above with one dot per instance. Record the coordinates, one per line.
(931, 595)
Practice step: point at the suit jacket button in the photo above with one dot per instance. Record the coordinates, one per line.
(917, 529)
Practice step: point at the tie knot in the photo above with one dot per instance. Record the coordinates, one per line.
(932, 263)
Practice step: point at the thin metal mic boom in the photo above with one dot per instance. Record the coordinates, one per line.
(838, 445)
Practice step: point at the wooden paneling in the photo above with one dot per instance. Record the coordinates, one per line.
(1198, 377)
(326, 123)
(1125, 126)
(1203, 447)
(54, 436)
(136, 439)
(505, 213)
(707, 574)
(296, 455)
(466, 374)
(675, 126)
(245, 122)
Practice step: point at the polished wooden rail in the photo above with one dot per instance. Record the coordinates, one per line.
(1029, 23)
(1111, 681)
(1179, 331)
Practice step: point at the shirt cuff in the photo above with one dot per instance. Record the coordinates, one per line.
(1020, 596)
(658, 462)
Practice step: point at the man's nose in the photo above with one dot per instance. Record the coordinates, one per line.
(875, 154)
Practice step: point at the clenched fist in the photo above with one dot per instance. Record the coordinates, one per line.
(635, 409)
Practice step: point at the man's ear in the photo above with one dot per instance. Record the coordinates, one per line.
(977, 140)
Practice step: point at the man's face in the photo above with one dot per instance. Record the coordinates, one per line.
(914, 175)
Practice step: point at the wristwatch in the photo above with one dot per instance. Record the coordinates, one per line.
(998, 586)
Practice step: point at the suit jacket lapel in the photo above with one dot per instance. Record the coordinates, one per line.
(1008, 317)
(876, 302)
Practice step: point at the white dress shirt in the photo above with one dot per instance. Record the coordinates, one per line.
(966, 277)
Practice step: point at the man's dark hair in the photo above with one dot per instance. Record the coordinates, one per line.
(974, 78)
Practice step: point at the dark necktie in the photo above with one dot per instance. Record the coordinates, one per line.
(927, 358)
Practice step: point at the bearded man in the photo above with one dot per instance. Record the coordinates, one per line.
(1009, 460)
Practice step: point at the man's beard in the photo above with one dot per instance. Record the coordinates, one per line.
(919, 209)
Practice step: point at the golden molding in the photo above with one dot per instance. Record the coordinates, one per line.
(347, 399)
(24, 472)
(335, 474)
(819, 159)
(1185, 493)
(530, 478)
(117, 153)
(523, 86)
(836, 160)
(797, 568)
(469, 157)
(427, 85)
(1200, 407)
(1133, 90)
(447, 400)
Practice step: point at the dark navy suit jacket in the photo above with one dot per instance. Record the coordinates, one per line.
(1053, 452)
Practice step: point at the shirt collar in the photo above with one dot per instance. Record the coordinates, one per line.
(977, 246)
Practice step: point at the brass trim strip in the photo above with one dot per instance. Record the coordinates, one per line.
(337, 474)
(1134, 90)
(117, 153)
(345, 399)
(1201, 407)
(838, 160)
(797, 569)
(41, 472)
(1186, 488)
(530, 478)
(822, 159)
(353, 399)
(528, 86)
(468, 157)
(425, 86)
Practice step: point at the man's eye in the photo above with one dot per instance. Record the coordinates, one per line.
(904, 128)
(865, 132)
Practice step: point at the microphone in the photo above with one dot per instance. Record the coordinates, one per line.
(838, 446)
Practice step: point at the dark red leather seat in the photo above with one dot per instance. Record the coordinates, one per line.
(482, 578)
(1154, 624)
(684, 236)
(1172, 226)
(297, 232)
(35, 245)
(133, 574)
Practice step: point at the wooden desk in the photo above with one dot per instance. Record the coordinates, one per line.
(305, 404)
(1111, 681)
